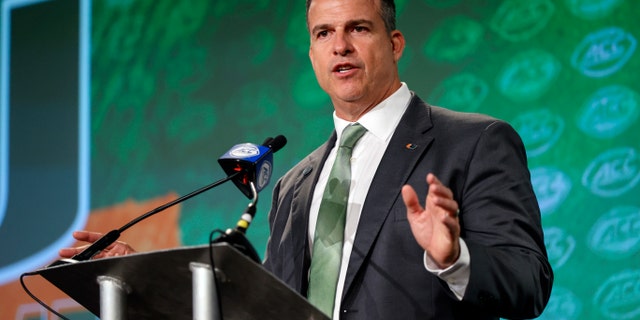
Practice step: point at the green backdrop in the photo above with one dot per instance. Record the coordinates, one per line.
(174, 84)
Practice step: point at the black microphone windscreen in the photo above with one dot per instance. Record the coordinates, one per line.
(277, 143)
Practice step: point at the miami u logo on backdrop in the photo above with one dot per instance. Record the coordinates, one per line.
(44, 130)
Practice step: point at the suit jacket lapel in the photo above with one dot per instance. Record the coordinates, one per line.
(407, 145)
(301, 203)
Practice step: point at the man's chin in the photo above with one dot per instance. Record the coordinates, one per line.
(348, 94)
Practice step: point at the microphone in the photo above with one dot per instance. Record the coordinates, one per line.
(256, 164)
(240, 165)
(254, 161)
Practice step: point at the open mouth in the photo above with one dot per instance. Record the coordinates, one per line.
(343, 68)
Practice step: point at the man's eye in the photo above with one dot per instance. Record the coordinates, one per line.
(322, 34)
(359, 29)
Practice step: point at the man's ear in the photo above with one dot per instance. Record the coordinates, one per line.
(397, 43)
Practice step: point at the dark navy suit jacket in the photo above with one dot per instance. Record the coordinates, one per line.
(484, 162)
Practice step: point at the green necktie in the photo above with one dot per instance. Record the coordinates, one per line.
(327, 242)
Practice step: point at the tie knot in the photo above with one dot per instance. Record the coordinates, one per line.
(351, 135)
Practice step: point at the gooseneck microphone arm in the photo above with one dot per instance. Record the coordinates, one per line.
(113, 235)
(236, 237)
(250, 212)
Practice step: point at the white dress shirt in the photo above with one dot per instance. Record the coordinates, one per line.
(380, 123)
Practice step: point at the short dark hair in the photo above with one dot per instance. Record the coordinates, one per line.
(387, 12)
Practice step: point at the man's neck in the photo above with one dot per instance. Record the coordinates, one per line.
(352, 111)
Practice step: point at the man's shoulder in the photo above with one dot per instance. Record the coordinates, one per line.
(457, 127)
(441, 116)
(442, 113)
(466, 121)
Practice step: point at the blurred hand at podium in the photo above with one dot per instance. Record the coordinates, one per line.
(118, 248)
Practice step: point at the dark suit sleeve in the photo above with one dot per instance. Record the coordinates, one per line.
(510, 274)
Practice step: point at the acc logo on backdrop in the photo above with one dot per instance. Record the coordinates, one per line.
(539, 129)
(462, 92)
(613, 172)
(455, 39)
(551, 187)
(563, 304)
(616, 234)
(592, 9)
(603, 52)
(521, 20)
(560, 246)
(528, 75)
(619, 296)
(609, 112)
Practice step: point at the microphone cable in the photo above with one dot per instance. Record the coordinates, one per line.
(33, 296)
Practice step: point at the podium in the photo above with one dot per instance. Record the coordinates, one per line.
(179, 284)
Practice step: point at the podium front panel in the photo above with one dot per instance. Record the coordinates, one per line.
(161, 285)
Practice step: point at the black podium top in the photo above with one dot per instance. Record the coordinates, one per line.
(161, 285)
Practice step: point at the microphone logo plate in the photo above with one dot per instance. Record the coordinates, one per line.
(245, 150)
(264, 175)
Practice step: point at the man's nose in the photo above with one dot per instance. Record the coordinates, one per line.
(342, 44)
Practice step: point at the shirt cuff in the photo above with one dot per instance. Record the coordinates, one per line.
(457, 274)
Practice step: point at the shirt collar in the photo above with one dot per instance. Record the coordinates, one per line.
(382, 120)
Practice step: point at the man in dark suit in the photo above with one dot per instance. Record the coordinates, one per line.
(474, 251)
(441, 220)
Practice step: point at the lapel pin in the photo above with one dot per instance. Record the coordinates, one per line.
(306, 171)
(411, 146)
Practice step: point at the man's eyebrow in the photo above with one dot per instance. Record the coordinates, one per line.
(359, 22)
(319, 27)
(349, 24)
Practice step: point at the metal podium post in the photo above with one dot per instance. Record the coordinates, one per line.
(113, 298)
(205, 298)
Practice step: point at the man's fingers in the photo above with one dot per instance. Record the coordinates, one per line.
(67, 252)
(436, 187)
(70, 252)
(87, 236)
(441, 196)
(410, 199)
